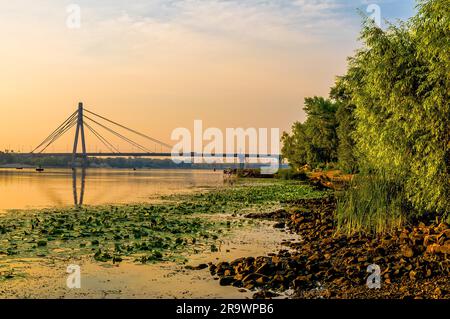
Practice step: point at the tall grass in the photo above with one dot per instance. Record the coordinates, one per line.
(372, 203)
(291, 174)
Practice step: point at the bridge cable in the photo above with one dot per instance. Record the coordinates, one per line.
(56, 131)
(61, 133)
(67, 127)
(60, 128)
(131, 130)
(102, 139)
(126, 139)
(121, 136)
(105, 142)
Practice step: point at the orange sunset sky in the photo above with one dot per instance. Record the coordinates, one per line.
(158, 65)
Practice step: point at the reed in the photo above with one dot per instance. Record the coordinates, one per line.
(372, 203)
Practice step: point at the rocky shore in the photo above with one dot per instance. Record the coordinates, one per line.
(414, 261)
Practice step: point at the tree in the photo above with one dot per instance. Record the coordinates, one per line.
(314, 141)
(399, 84)
(345, 118)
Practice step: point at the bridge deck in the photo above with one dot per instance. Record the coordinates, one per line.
(237, 155)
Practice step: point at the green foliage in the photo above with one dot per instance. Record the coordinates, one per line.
(314, 141)
(345, 118)
(291, 174)
(372, 203)
(392, 121)
(263, 192)
(110, 231)
(296, 146)
(399, 83)
(327, 134)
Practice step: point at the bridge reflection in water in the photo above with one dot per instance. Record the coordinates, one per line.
(78, 201)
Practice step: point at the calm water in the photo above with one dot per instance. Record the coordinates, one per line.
(60, 187)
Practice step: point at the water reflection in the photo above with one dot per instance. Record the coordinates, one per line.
(78, 201)
(24, 189)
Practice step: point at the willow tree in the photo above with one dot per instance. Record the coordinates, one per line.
(346, 122)
(314, 141)
(400, 88)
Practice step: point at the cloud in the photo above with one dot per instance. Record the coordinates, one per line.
(316, 7)
(271, 24)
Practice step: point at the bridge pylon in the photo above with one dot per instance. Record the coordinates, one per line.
(79, 133)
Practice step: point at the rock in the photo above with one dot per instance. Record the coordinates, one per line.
(442, 226)
(264, 294)
(239, 277)
(249, 269)
(313, 257)
(249, 286)
(446, 233)
(223, 265)
(339, 262)
(251, 278)
(437, 249)
(301, 281)
(265, 269)
(429, 239)
(340, 281)
(407, 252)
(279, 225)
(199, 267)
(444, 249)
(261, 280)
(212, 269)
(228, 273)
(238, 261)
(226, 281)
(437, 292)
(403, 289)
(380, 251)
(278, 278)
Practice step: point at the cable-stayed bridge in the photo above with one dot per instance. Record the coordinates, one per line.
(83, 119)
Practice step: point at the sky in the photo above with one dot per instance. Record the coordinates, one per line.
(159, 65)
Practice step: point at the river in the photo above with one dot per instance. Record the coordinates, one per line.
(28, 189)
(45, 276)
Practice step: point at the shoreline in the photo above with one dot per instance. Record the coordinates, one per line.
(308, 259)
(107, 267)
(414, 261)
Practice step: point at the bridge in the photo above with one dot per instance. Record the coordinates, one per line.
(83, 118)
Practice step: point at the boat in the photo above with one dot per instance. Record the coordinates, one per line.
(39, 169)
